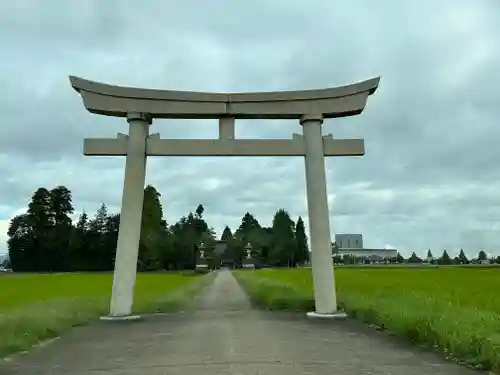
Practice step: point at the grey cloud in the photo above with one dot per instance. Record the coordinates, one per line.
(429, 177)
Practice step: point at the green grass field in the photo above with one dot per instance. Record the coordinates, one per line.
(456, 309)
(41, 306)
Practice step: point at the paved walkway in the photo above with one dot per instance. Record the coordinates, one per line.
(224, 335)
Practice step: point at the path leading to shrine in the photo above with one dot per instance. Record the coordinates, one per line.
(225, 335)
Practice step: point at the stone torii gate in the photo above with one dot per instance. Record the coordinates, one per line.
(141, 106)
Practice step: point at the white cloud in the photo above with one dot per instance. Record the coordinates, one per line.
(4, 225)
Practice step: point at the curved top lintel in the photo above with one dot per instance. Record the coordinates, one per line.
(113, 100)
(80, 84)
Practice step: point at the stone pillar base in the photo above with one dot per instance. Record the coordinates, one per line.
(335, 315)
(124, 318)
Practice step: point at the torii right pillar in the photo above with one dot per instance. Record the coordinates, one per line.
(319, 219)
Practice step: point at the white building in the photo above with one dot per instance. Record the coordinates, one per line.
(352, 245)
(349, 241)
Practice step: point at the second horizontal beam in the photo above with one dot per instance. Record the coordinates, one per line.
(224, 147)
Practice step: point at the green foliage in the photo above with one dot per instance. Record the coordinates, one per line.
(273, 295)
(44, 239)
(302, 248)
(462, 258)
(39, 240)
(414, 258)
(98, 241)
(248, 224)
(284, 243)
(482, 255)
(150, 254)
(455, 309)
(188, 233)
(445, 259)
(227, 235)
(199, 211)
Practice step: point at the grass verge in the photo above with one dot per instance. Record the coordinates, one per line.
(270, 294)
(467, 334)
(22, 326)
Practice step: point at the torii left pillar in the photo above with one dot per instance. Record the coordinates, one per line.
(130, 218)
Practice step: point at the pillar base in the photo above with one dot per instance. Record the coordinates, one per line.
(335, 315)
(124, 318)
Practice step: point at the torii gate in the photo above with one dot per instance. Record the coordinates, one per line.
(141, 106)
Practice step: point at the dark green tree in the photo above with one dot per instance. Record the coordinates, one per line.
(445, 259)
(151, 230)
(399, 258)
(414, 258)
(62, 229)
(96, 236)
(284, 243)
(62, 206)
(40, 240)
(302, 255)
(199, 211)
(198, 224)
(249, 231)
(166, 250)
(187, 235)
(430, 257)
(462, 258)
(98, 223)
(19, 244)
(227, 258)
(40, 219)
(248, 225)
(80, 261)
(482, 256)
(109, 242)
(226, 234)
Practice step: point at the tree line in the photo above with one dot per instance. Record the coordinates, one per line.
(444, 259)
(45, 239)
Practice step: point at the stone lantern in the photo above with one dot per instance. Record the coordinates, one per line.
(249, 261)
(202, 248)
(202, 262)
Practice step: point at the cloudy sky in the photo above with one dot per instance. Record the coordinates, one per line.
(430, 177)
